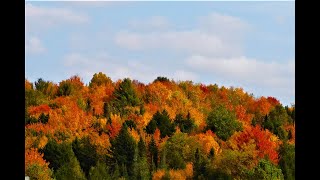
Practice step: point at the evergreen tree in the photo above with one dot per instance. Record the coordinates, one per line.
(122, 150)
(153, 149)
(70, 170)
(287, 160)
(125, 95)
(99, 172)
(86, 153)
(57, 154)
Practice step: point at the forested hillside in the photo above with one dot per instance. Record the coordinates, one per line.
(161, 130)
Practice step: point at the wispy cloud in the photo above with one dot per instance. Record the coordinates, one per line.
(247, 70)
(216, 34)
(39, 17)
(33, 45)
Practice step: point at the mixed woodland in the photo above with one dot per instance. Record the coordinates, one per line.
(165, 129)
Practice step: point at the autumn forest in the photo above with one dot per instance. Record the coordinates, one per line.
(165, 129)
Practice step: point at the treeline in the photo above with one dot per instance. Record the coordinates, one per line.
(161, 130)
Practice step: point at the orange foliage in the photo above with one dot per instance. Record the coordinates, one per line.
(37, 110)
(158, 93)
(102, 142)
(208, 142)
(263, 139)
(293, 133)
(32, 156)
(156, 136)
(177, 174)
(262, 105)
(199, 118)
(242, 115)
(158, 174)
(189, 170)
(27, 85)
(115, 126)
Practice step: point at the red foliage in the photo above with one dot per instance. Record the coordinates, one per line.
(115, 126)
(262, 139)
(34, 110)
(273, 101)
(204, 88)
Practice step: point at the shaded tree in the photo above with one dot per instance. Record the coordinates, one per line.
(86, 153)
(122, 151)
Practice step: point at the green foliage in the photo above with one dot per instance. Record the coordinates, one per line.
(34, 98)
(38, 172)
(106, 110)
(161, 79)
(152, 126)
(41, 85)
(65, 88)
(99, 172)
(57, 154)
(70, 170)
(186, 125)
(142, 150)
(275, 121)
(143, 172)
(235, 163)
(30, 119)
(43, 118)
(122, 150)
(265, 170)
(180, 149)
(99, 79)
(125, 95)
(142, 109)
(199, 165)
(131, 124)
(153, 149)
(223, 122)
(287, 160)
(86, 153)
(162, 121)
(82, 104)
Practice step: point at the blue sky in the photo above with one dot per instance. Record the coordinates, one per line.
(240, 44)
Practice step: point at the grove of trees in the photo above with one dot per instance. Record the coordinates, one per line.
(162, 130)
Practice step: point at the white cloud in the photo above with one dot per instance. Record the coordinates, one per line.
(87, 65)
(223, 24)
(178, 41)
(38, 17)
(33, 45)
(215, 35)
(247, 70)
(183, 75)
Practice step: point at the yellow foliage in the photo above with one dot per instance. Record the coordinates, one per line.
(102, 142)
(134, 134)
(207, 142)
(102, 122)
(115, 117)
(42, 142)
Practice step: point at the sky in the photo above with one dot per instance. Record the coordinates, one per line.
(247, 44)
